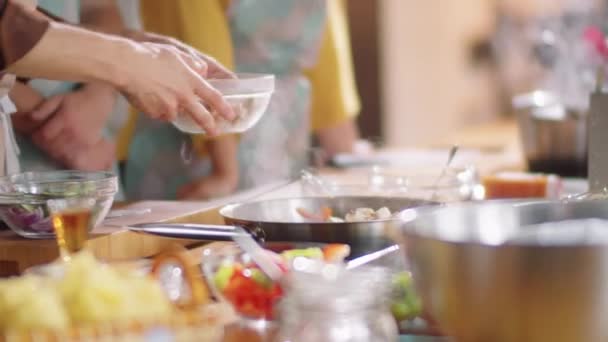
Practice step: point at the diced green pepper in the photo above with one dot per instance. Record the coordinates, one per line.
(222, 276)
(312, 253)
(260, 278)
(406, 304)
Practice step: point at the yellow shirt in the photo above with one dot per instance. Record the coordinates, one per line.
(203, 24)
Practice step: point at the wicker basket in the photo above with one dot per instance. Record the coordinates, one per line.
(195, 319)
(206, 324)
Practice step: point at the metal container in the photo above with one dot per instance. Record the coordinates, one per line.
(483, 278)
(554, 137)
(280, 220)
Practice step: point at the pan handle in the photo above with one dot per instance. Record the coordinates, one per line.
(194, 231)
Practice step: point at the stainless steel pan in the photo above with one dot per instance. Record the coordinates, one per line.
(278, 220)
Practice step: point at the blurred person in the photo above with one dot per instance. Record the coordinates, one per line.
(159, 159)
(159, 79)
(305, 44)
(71, 117)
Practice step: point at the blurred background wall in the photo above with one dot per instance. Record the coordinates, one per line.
(415, 66)
(426, 67)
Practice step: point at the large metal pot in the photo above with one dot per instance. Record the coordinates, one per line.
(481, 282)
(554, 137)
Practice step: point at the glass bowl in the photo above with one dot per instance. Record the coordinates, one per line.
(457, 184)
(249, 96)
(405, 304)
(219, 260)
(23, 202)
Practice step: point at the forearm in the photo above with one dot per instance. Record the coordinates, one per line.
(224, 177)
(340, 138)
(222, 152)
(71, 53)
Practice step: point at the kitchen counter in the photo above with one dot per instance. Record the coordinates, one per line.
(497, 143)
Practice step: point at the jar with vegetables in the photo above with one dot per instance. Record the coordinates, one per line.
(337, 305)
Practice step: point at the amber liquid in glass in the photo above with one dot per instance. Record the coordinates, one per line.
(72, 230)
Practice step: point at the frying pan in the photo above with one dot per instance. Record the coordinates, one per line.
(278, 220)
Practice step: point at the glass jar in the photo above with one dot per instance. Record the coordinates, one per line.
(337, 305)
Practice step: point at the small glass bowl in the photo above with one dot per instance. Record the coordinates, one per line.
(456, 184)
(248, 94)
(216, 257)
(23, 204)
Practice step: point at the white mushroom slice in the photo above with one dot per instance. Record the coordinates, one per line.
(383, 214)
(361, 214)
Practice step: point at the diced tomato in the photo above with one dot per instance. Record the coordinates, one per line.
(251, 298)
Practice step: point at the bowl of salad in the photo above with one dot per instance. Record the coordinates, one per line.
(23, 198)
(233, 277)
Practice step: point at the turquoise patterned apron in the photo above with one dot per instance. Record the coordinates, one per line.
(280, 37)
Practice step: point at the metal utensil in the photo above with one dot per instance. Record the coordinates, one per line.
(280, 220)
(463, 262)
(451, 156)
(368, 258)
(196, 231)
(258, 254)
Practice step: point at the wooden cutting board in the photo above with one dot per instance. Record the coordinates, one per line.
(113, 242)
(110, 242)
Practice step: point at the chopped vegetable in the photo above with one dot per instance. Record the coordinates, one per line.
(336, 252)
(254, 294)
(324, 216)
(251, 296)
(312, 253)
(260, 278)
(368, 214)
(406, 304)
(223, 275)
(355, 215)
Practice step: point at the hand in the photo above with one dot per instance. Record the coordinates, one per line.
(73, 120)
(26, 99)
(215, 185)
(99, 157)
(214, 68)
(161, 81)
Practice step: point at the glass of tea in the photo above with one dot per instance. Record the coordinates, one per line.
(71, 219)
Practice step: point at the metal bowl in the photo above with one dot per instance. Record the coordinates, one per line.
(483, 282)
(280, 220)
(23, 205)
(554, 137)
